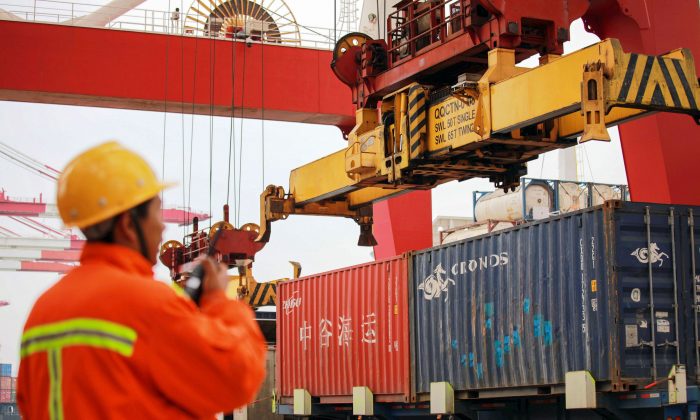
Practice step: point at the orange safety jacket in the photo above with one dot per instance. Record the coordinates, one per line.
(109, 342)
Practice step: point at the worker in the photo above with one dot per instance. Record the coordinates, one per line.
(110, 342)
(174, 19)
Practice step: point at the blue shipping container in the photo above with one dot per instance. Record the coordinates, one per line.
(5, 369)
(593, 290)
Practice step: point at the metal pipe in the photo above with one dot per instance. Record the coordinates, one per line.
(647, 221)
(671, 221)
(691, 224)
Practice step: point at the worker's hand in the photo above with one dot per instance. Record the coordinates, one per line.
(215, 277)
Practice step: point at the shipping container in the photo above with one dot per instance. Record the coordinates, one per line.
(345, 328)
(262, 407)
(9, 412)
(14, 383)
(537, 199)
(5, 396)
(5, 382)
(609, 289)
(533, 200)
(572, 196)
(5, 369)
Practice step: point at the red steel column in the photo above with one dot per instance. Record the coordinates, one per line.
(661, 152)
(402, 224)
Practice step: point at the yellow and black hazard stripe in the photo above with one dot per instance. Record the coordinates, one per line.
(658, 81)
(263, 294)
(417, 119)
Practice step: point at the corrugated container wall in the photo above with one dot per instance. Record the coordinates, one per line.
(261, 409)
(521, 307)
(345, 328)
(5, 369)
(5, 382)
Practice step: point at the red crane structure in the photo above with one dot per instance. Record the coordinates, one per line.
(87, 63)
(56, 250)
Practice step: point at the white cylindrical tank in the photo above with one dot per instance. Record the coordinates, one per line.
(509, 206)
(572, 197)
(602, 193)
(476, 229)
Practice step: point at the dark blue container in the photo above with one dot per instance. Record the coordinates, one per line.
(593, 290)
(5, 369)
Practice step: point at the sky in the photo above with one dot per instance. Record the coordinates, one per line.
(54, 134)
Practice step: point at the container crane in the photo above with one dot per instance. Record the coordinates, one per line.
(57, 251)
(38, 208)
(441, 99)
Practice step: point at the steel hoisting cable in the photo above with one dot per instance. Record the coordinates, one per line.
(262, 103)
(185, 214)
(379, 22)
(240, 138)
(194, 86)
(232, 127)
(165, 110)
(590, 168)
(542, 165)
(212, 71)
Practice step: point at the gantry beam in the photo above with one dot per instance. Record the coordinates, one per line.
(46, 63)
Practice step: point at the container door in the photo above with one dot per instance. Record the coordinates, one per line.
(690, 251)
(647, 252)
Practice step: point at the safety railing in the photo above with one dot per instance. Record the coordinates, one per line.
(417, 27)
(144, 20)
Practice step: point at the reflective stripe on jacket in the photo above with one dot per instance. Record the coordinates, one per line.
(107, 341)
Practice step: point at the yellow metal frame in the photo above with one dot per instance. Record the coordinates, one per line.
(244, 286)
(490, 126)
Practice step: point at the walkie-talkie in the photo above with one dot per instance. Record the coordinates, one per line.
(194, 284)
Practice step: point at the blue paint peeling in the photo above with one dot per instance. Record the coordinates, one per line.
(526, 305)
(488, 324)
(479, 371)
(548, 333)
(488, 309)
(463, 360)
(506, 344)
(516, 337)
(537, 325)
(499, 353)
(454, 344)
(471, 359)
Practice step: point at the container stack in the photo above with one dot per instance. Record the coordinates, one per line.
(609, 290)
(8, 385)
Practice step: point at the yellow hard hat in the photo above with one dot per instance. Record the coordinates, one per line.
(102, 182)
